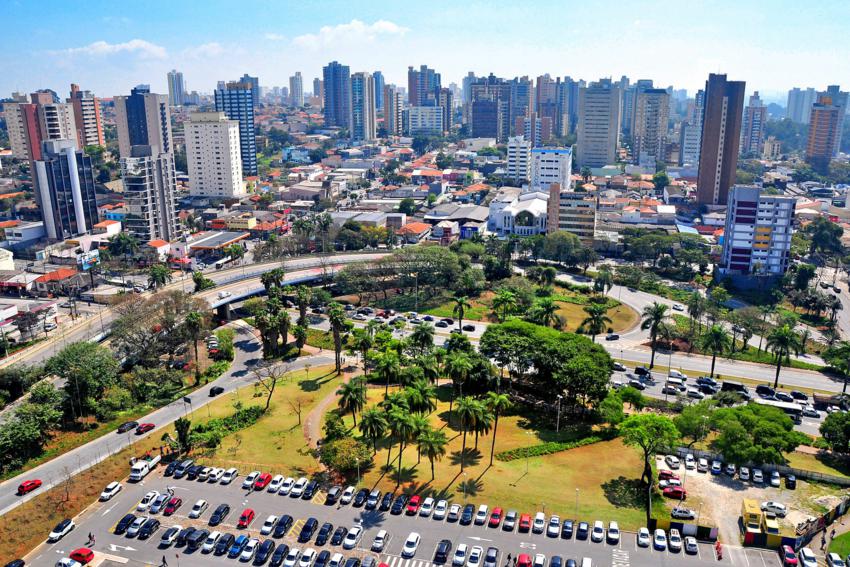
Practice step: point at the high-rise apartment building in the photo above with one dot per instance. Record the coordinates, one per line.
(752, 128)
(296, 89)
(772, 148)
(690, 131)
(423, 86)
(64, 182)
(393, 107)
(378, 77)
(446, 102)
(825, 122)
(236, 101)
(572, 212)
(490, 110)
(800, 104)
(651, 112)
(534, 129)
(214, 156)
(721, 135)
(337, 95)
(630, 101)
(42, 119)
(839, 98)
(254, 83)
(757, 236)
(362, 107)
(425, 120)
(143, 119)
(551, 166)
(176, 88)
(518, 159)
(87, 117)
(319, 91)
(149, 186)
(598, 124)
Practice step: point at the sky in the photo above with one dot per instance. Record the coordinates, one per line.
(109, 47)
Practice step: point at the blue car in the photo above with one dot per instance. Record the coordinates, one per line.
(237, 546)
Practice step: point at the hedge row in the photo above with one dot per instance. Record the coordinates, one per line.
(549, 448)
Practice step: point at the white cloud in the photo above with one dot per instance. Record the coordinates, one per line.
(353, 32)
(144, 49)
(275, 37)
(204, 51)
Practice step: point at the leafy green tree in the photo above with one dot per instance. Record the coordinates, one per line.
(182, 426)
(202, 283)
(649, 433)
(159, 275)
(660, 180)
(838, 356)
(345, 454)
(835, 430)
(716, 340)
(754, 434)
(611, 409)
(653, 318)
(784, 342)
(87, 369)
(693, 422)
(334, 427)
(825, 236)
(407, 206)
(597, 319)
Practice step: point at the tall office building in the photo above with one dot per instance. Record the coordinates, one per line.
(651, 112)
(65, 181)
(551, 166)
(446, 102)
(598, 124)
(337, 95)
(546, 99)
(839, 98)
(721, 135)
(800, 104)
(490, 110)
(630, 100)
(522, 103)
(143, 119)
(42, 119)
(176, 88)
(423, 86)
(149, 186)
(296, 89)
(236, 101)
(87, 117)
(752, 128)
(690, 131)
(254, 83)
(214, 156)
(319, 91)
(378, 77)
(825, 122)
(362, 107)
(518, 159)
(757, 236)
(393, 107)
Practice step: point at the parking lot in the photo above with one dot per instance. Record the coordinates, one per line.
(101, 518)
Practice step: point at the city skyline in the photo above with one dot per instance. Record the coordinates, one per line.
(110, 51)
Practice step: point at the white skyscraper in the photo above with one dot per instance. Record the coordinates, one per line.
(551, 165)
(176, 88)
(296, 89)
(598, 124)
(652, 109)
(214, 156)
(519, 157)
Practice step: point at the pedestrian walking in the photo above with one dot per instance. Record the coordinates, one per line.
(164, 562)
(509, 556)
(832, 534)
(823, 541)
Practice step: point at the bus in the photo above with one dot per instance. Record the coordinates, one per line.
(219, 264)
(792, 410)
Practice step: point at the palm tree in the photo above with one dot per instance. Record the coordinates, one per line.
(272, 278)
(303, 295)
(544, 312)
(783, 341)
(653, 317)
(497, 404)
(158, 275)
(402, 425)
(805, 337)
(430, 367)
(548, 275)
(716, 340)
(194, 324)
(300, 334)
(483, 421)
(696, 308)
(458, 367)
(421, 426)
(421, 396)
(766, 311)
(468, 411)
(361, 342)
(352, 397)
(422, 339)
(432, 444)
(373, 426)
(504, 302)
(339, 324)
(284, 322)
(461, 305)
(597, 319)
(838, 356)
(604, 280)
(388, 367)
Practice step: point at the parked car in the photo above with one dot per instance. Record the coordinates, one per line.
(124, 523)
(245, 518)
(283, 525)
(325, 532)
(539, 523)
(413, 505)
(481, 515)
(597, 534)
(172, 506)
(583, 530)
(441, 552)
(61, 529)
(380, 541)
(672, 462)
(111, 490)
(144, 428)
(791, 482)
(269, 525)
(775, 479)
(553, 528)
(675, 492)
(659, 540)
(229, 475)
(307, 530)
(459, 558)
(169, 536)
(127, 426)
(440, 510)
(776, 508)
(758, 476)
(411, 544)
(612, 536)
(834, 560)
(427, 507)
(807, 558)
(643, 537)
(682, 513)
(691, 546)
(352, 537)
(674, 540)
(567, 529)
(495, 517)
(744, 473)
(219, 514)
(360, 497)
(148, 528)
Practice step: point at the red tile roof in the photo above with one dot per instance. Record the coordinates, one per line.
(57, 275)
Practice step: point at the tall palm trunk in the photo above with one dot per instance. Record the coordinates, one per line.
(463, 451)
(400, 454)
(493, 441)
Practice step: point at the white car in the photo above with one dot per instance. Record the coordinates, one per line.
(62, 529)
(147, 500)
(307, 558)
(834, 560)
(643, 537)
(659, 541)
(775, 479)
(675, 540)
(440, 510)
(539, 523)
(111, 490)
(336, 560)
(539, 560)
(209, 544)
(249, 480)
(459, 558)
(454, 512)
(352, 537)
(475, 555)
(411, 544)
(298, 487)
(481, 515)
(427, 507)
(249, 550)
(216, 475)
(672, 462)
(276, 483)
(691, 545)
(702, 465)
(807, 558)
(597, 534)
(159, 503)
(169, 536)
(268, 525)
(678, 307)
(380, 541)
(690, 462)
(204, 474)
(775, 508)
(347, 495)
(291, 557)
(286, 486)
(134, 528)
(554, 527)
(744, 473)
(199, 508)
(222, 295)
(758, 476)
(229, 475)
(68, 562)
(613, 534)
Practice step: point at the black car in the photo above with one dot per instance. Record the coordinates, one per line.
(708, 389)
(468, 328)
(707, 380)
(642, 371)
(322, 558)
(264, 551)
(224, 543)
(124, 523)
(216, 390)
(183, 468)
(441, 554)
(310, 490)
(386, 502)
(571, 563)
(339, 535)
(193, 472)
(567, 529)
(197, 539)
(791, 482)
(352, 562)
(282, 526)
(127, 426)
(16, 563)
(556, 561)
(637, 384)
(765, 391)
(798, 395)
(399, 504)
(172, 466)
(491, 557)
(583, 530)
(279, 555)
(467, 514)
(333, 495)
(148, 528)
(360, 497)
(324, 533)
(219, 514)
(310, 527)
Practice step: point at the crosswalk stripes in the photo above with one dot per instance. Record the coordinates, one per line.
(320, 497)
(296, 526)
(397, 561)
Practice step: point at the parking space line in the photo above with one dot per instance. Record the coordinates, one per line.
(320, 497)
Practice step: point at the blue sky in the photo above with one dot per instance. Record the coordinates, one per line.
(110, 46)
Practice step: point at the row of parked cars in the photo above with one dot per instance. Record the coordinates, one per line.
(391, 317)
(744, 473)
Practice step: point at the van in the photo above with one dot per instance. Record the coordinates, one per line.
(183, 468)
(679, 375)
(676, 383)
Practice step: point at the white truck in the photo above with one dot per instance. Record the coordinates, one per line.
(140, 467)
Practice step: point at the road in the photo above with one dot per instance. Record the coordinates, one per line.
(247, 353)
(101, 517)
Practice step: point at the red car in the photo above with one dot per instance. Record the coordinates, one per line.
(28, 486)
(172, 506)
(144, 428)
(524, 523)
(524, 560)
(664, 474)
(82, 555)
(245, 519)
(675, 492)
(413, 505)
(788, 556)
(262, 481)
(495, 517)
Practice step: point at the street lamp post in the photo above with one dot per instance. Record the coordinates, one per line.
(357, 460)
(464, 487)
(577, 491)
(558, 420)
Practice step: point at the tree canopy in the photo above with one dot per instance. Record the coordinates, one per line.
(754, 434)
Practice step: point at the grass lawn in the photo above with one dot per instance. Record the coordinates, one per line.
(622, 317)
(479, 310)
(824, 464)
(604, 477)
(840, 545)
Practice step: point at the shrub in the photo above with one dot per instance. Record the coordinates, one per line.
(225, 343)
(551, 447)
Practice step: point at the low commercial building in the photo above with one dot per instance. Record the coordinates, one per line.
(525, 215)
